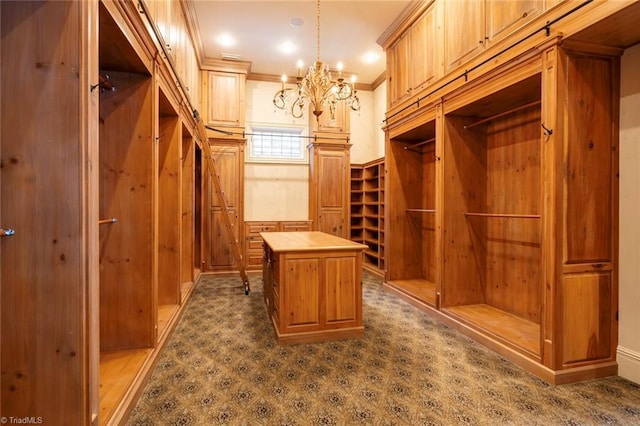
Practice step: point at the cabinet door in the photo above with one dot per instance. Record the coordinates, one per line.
(464, 31)
(399, 85)
(339, 122)
(424, 49)
(225, 99)
(506, 16)
(332, 192)
(229, 160)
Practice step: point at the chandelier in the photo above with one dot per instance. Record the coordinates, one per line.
(317, 87)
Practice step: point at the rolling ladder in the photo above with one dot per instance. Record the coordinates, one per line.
(222, 199)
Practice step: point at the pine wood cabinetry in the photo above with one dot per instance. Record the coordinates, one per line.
(229, 157)
(329, 193)
(441, 36)
(225, 99)
(502, 206)
(367, 212)
(312, 286)
(326, 123)
(413, 60)
(471, 26)
(253, 241)
(102, 260)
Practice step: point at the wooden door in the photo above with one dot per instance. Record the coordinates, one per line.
(400, 66)
(333, 167)
(48, 184)
(229, 158)
(504, 17)
(425, 49)
(225, 99)
(464, 31)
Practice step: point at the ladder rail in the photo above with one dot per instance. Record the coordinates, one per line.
(222, 199)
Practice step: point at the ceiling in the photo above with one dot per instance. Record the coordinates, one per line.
(348, 33)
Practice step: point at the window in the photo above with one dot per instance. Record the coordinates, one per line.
(277, 144)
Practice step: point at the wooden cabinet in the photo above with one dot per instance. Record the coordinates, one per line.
(253, 241)
(229, 157)
(470, 26)
(225, 93)
(464, 32)
(399, 74)
(501, 211)
(329, 193)
(367, 212)
(312, 286)
(413, 60)
(338, 122)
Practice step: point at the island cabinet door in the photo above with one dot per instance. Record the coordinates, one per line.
(342, 291)
(301, 289)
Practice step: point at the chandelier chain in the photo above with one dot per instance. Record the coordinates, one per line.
(318, 32)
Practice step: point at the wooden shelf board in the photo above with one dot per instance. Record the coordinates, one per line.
(502, 325)
(418, 288)
(165, 313)
(118, 370)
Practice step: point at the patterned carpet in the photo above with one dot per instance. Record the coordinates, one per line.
(222, 366)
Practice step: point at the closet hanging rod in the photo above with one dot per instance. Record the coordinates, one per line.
(502, 114)
(505, 215)
(420, 143)
(104, 221)
(421, 210)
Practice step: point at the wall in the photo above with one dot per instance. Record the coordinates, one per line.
(379, 108)
(629, 279)
(281, 191)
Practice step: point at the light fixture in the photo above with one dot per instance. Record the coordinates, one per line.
(317, 87)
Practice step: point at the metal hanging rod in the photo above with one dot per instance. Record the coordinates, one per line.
(420, 143)
(105, 221)
(502, 114)
(421, 210)
(505, 215)
(243, 134)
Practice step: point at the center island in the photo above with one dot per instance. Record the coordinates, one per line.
(312, 286)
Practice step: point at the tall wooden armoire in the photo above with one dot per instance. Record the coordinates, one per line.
(329, 169)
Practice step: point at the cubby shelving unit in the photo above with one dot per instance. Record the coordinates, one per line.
(367, 212)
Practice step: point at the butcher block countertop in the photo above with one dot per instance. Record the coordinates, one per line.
(307, 241)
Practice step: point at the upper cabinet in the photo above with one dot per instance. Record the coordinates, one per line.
(464, 34)
(224, 94)
(412, 60)
(439, 36)
(471, 25)
(338, 121)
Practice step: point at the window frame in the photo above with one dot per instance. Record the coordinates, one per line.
(255, 128)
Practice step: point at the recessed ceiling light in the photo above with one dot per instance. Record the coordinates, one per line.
(370, 57)
(225, 40)
(296, 22)
(287, 47)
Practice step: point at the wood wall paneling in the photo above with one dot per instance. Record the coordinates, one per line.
(47, 352)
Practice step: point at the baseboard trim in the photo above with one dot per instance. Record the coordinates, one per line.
(628, 364)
